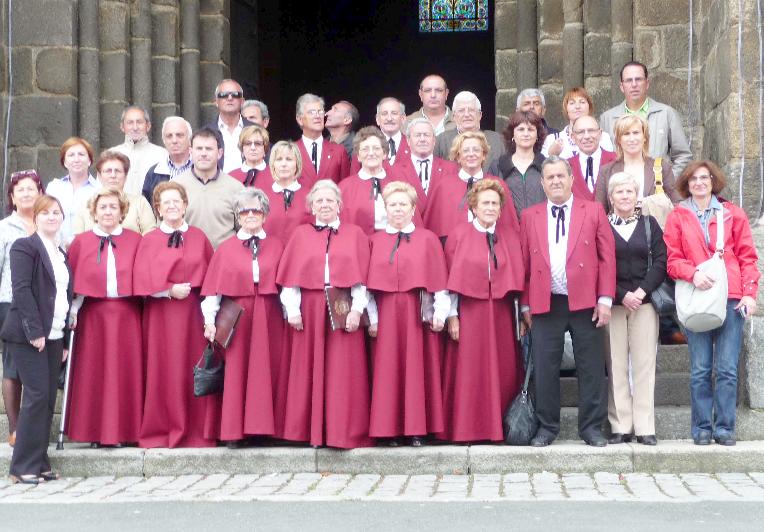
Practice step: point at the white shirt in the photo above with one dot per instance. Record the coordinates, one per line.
(569, 148)
(309, 148)
(596, 158)
(231, 153)
(143, 155)
(71, 202)
(464, 176)
(397, 141)
(166, 229)
(61, 275)
(380, 213)
(419, 167)
(558, 250)
(291, 296)
(211, 304)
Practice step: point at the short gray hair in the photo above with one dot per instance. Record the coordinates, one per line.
(419, 120)
(530, 93)
(244, 196)
(185, 122)
(306, 99)
(621, 178)
(466, 96)
(135, 107)
(260, 105)
(391, 99)
(321, 184)
(554, 159)
(226, 80)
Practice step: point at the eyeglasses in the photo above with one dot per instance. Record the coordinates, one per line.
(701, 177)
(367, 149)
(314, 112)
(250, 210)
(582, 132)
(25, 173)
(229, 94)
(633, 81)
(253, 144)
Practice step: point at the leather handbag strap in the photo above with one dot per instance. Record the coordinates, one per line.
(720, 231)
(648, 232)
(658, 172)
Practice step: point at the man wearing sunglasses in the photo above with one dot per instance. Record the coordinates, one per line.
(229, 97)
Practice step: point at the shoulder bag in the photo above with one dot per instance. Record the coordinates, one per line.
(520, 422)
(662, 298)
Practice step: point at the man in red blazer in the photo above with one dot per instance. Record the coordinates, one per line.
(391, 115)
(321, 159)
(569, 255)
(417, 160)
(589, 157)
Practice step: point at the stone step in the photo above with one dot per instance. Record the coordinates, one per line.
(671, 423)
(669, 456)
(671, 389)
(673, 359)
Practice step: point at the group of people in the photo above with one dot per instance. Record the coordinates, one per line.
(383, 288)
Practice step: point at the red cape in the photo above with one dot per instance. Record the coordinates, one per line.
(282, 222)
(90, 276)
(418, 263)
(230, 270)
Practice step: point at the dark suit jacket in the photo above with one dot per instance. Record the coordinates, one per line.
(34, 292)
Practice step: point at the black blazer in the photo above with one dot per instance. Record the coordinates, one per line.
(34, 292)
(631, 260)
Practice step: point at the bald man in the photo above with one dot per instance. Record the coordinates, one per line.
(433, 92)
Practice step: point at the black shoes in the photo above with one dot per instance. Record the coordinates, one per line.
(704, 438)
(617, 437)
(417, 441)
(542, 440)
(649, 439)
(725, 439)
(595, 439)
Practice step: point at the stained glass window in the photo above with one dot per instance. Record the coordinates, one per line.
(453, 15)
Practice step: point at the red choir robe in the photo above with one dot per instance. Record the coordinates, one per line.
(358, 203)
(282, 220)
(447, 206)
(256, 353)
(249, 180)
(327, 399)
(106, 389)
(482, 371)
(406, 389)
(173, 332)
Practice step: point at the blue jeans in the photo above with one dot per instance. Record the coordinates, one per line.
(713, 403)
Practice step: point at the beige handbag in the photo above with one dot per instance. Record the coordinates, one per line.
(658, 205)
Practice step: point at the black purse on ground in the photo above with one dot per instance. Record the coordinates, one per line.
(520, 422)
(208, 378)
(662, 298)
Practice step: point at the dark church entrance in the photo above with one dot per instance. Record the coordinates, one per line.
(351, 50)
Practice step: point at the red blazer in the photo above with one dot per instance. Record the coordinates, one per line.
(440, 168)
(590, 266)
(355, 164)
(334, 164)
(580, 188)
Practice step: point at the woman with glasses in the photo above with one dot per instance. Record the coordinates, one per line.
(254, 145)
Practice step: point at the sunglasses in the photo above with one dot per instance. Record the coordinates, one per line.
(252, 211)
(230, 94)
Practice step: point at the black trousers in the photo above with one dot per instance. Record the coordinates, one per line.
(38, 373)
(548, 335)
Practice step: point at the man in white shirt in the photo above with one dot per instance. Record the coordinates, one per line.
(135, 123)
(417, 160)
(228, 99)
(391, 115)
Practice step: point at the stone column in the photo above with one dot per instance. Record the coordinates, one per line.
(572, 44)
(89, 74)
(506, 57)
(189, 61)
(527, 45)
(621, 47)
(165, 64)
(140, 53)
(550, 57)
(597, 45)
(215, 52)
(116, 83)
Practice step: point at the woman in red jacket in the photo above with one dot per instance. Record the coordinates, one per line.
(690, 240)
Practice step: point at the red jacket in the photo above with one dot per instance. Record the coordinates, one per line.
(590, 266)
(580, 188)
(686, 247)
(334, 164)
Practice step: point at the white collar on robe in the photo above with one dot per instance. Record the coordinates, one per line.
(390, 230)
(169, 230)
(99, 232)
(476, 224)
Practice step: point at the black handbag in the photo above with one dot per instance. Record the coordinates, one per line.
(208, 378)
(520, 422)
(662, 298)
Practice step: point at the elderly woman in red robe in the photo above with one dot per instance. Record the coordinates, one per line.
(106, 401)
(362, 193)
(169, 270)
(407, 273)
(243, 268)
(481, 373)
(328, 383)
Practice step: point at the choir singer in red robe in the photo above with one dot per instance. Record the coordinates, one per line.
(243, 268)
(106, 398)
(407, 277)
(170, 266)
(328, 385)
(481, 373)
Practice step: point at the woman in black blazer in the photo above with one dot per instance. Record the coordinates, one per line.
(34, 333)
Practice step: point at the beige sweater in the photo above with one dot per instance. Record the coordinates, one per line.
(140, 217)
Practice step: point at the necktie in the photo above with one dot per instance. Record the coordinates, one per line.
(252, 243)
(375, 188)
(401, 236)
(249, 180)
(470, 182)
(288, 195)
(491, 238)
(175, 240)
(559, 213)
(424, 177)
(590, 172)
(392, 148)
(331, 231)
(314, 155)
(102, 244)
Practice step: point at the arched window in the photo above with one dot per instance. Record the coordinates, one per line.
(453, 15)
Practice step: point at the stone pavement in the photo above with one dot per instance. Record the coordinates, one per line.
(545, 486)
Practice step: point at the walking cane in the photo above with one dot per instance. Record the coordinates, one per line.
(60, 444)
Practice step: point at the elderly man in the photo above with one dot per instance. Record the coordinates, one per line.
(228, 99)
(211, 205)
(176, 136)
(467, 115)
(533, 100)
(321, 159)
(433, 93)
(417, 160)
(667, 137)
(588, 160)
(256, 112)
(569, 254)
(135, 123)
(391, 115)
(341, 122)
